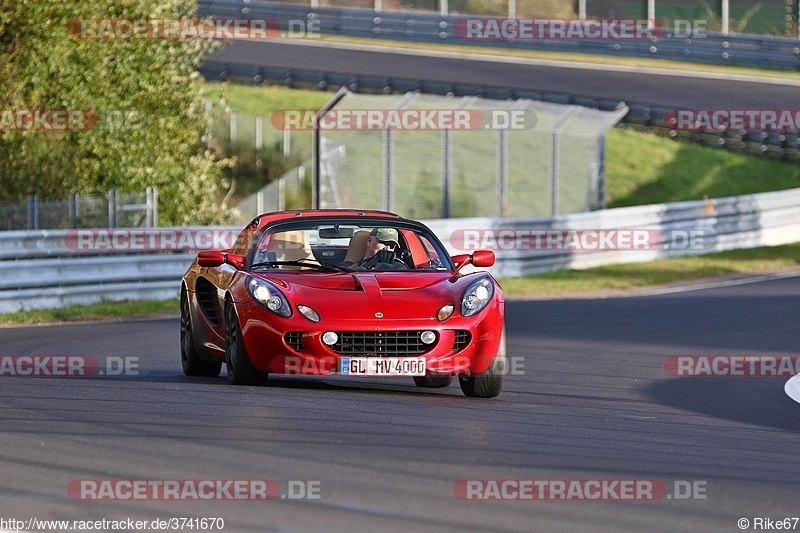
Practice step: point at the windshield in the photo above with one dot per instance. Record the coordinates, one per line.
(349, 245)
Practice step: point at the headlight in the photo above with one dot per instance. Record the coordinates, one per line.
(269, 296)
(477, 296)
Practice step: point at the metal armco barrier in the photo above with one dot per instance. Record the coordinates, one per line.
(706, 47)
(64, 276)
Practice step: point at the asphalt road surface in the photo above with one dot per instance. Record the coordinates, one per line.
(593, 402)
(685, 92)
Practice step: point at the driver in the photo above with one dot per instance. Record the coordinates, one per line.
(382, 244)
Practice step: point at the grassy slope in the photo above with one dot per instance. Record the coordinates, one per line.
(646, 169)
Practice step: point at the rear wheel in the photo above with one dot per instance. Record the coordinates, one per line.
(240, 370)
(433, 382)
(190, 359)
(490, 383)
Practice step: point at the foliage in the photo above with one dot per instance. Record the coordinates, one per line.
(146, 94)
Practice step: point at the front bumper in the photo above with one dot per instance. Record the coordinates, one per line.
(304, 353)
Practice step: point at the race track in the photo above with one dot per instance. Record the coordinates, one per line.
(684, 92)
(593, 402)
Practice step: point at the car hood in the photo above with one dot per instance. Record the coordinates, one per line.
(362, 295)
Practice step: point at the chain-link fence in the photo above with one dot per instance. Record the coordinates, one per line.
(114, 210)
(502, 158)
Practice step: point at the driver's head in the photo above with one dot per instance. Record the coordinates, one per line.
(380, 239)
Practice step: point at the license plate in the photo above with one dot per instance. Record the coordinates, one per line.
(382, 366)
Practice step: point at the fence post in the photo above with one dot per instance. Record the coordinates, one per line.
(502, 170)
(33, 211)
(601, 173)
(155, 207)
(151, 207)
(73, 211)
(725, 16)
(388, 169)
(316, 148)
(112, 208)
(447, 170)
(554, 160)
(287, 143)
(443, 8)
(512, 9)
(554, 174)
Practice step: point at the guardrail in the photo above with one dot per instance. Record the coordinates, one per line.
(706, 47)
(672, 230)
(46, 272)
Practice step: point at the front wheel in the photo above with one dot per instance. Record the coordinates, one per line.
(190, 359)
(490, 383)
(240, 369)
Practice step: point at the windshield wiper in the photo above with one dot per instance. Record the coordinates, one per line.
(319, 265)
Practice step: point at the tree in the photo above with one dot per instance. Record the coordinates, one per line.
(145, 95)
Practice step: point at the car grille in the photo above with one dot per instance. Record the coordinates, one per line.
(381, 343)
(462, 339)
(295, 340)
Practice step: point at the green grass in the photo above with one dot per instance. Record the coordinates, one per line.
(264, 101)
(647, 169)
(654, 273)
(101, 311)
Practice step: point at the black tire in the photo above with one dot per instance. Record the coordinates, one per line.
(240, 370)
(190, 358)
(490, 383)
(433, 382)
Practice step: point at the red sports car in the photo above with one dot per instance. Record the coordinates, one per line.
(343, 292)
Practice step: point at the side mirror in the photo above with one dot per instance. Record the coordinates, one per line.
(210, 258)
(460, 260)
(215, 258)
(483, 258)
(235, 260)
(479, 258)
